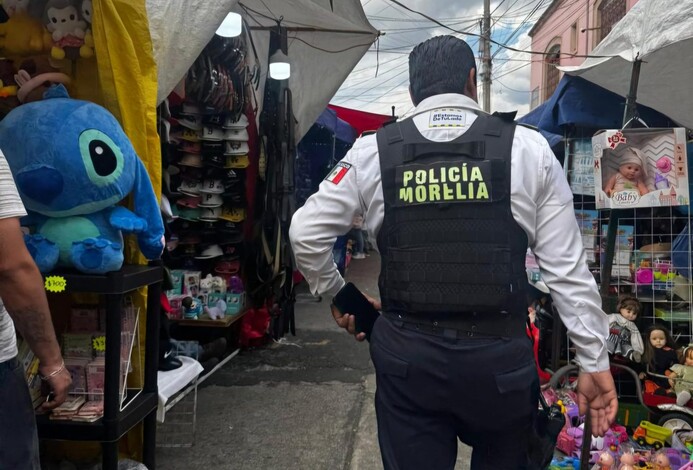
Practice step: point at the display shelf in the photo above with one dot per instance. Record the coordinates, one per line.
(206, 322)
(116, 421)
(130, 277)
(134, 412)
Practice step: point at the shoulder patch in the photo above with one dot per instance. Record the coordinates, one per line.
(338, 172)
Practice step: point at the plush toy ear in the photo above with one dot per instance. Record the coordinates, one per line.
(146, 206)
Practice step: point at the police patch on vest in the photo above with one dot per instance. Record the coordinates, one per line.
(443, 182)
(447, 118)
(338, 172)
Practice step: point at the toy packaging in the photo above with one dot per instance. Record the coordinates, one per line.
(640, 168)
(84, 319)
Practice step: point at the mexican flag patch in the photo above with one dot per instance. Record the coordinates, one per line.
(338, 172)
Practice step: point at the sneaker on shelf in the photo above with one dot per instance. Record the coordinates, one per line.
(358, 256)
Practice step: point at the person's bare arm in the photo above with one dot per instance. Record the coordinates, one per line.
(22, 292)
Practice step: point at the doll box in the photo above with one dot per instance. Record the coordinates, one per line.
(640, 168)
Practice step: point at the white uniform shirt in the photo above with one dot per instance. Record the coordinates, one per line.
(541, 203)
(10, 206)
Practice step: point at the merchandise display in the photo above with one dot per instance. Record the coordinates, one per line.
(205, 159)
(640, 168)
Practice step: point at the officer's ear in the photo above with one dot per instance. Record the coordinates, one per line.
(470, 86)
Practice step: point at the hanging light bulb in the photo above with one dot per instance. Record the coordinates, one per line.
(280, 68)
(231, 26)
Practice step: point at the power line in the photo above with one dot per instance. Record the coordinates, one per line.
(397, 2)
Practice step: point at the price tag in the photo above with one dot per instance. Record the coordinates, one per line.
(55, 284)
(98, 343)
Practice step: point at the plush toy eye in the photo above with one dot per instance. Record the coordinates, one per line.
(102, 158)
(54, 19)
(72, 17)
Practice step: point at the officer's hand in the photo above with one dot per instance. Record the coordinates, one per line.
(374, 302)
(348, 322)
(596, 390)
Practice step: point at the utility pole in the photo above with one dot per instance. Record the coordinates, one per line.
(486, 56)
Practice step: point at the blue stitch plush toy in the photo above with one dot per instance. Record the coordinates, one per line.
(73, 164)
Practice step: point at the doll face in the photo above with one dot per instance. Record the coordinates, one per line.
(689, 358)
(658, 339)
(631, 171)
(628, 313)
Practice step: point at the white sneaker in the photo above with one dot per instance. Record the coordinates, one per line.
(358, 256)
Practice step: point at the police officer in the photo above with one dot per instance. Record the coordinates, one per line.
(455, 196)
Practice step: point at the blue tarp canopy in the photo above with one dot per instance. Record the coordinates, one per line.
(582, 104)
(341, 129)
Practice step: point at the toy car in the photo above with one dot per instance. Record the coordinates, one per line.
(651, 434)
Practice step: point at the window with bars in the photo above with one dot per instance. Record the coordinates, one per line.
(551, 73)
(610, 12)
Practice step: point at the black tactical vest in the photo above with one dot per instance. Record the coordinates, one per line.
(449, 243)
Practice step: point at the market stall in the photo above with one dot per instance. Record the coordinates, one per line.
(635, 226)
(124, 93)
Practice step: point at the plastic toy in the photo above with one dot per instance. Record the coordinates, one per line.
(624, 337)
(192, 308)
(72, 164)
(649, 433)
(660, 461)
(682, 377)
(659, 356)
(604, 462)
(627, 461)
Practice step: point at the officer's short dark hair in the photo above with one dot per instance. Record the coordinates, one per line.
(439, 65)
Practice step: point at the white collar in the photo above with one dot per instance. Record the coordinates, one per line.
(447, 100)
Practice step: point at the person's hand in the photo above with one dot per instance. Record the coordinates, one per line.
(348, 321)
(597, 392)
(59, 384)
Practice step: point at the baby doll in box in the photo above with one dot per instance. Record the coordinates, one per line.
(631, 174)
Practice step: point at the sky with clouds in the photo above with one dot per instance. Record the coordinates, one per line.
(511, 20)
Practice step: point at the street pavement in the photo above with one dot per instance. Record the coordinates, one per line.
(305, 402)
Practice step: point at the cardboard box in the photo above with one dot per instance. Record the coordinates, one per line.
(640, 168)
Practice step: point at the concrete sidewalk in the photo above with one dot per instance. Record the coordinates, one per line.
(304, 403)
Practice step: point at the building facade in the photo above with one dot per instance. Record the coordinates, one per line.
(569, 27)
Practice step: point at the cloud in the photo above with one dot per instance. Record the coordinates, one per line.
(366, 91)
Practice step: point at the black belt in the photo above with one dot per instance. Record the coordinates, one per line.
(464, 325)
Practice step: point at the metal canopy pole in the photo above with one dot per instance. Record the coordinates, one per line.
(629, 115)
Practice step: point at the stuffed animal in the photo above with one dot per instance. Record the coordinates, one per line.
(73, 164)
(23, 35)
(87, 50)
(218, 311)
(35, 75)
(63, 20)
(13, 7)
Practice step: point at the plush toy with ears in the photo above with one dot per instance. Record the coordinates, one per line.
(73, 164)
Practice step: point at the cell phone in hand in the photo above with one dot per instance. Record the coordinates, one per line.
(350, 300)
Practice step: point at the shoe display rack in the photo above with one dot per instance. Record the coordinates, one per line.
(139, 406)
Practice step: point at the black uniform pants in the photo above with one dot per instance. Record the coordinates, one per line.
(433, 390)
